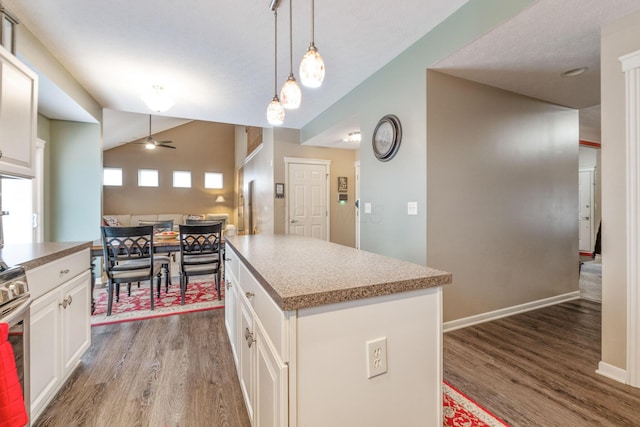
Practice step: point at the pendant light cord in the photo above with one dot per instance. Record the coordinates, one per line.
(290, 37)
(275, 62)
(312, 19)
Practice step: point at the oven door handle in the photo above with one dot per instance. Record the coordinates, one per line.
(17, 314)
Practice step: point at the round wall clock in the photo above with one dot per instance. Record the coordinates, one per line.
(386, 137)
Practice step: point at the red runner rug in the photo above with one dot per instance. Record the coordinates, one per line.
(200, 296)
(461, 411)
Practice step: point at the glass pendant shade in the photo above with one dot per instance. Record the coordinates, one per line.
(157, 100)
(291, 94)
(312, 68)
(275, 112)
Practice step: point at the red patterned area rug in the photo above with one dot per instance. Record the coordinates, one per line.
(200, 296)
(461, 411)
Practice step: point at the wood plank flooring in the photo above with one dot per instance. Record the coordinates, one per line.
(538, 369)
(174, 371)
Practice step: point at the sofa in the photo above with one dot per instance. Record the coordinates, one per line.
(132, 220)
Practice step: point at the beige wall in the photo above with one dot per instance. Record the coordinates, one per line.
(267, 167)
(342, 216)
(619, 38)
(200, 147)
(259, 170)
(502, 196)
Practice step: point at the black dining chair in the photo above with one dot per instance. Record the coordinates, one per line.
(159, 227)
(199, 254)
(128, 257)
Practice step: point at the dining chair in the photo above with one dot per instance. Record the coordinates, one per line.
(159, 227)
(128, 257)
(202, 222)
(199, 254)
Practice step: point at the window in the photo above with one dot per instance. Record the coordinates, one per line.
(147, 178)
(112, 177)
(212, 180)
(182, 179)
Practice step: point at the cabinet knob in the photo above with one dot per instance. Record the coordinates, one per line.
(66, 302)
(248, 336)
(250, 294)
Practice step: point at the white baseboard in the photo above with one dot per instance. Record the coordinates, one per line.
(509, 311)
(612, 372)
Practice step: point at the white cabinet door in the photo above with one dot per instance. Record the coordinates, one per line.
(76, 322)
(271, 403)
(246, 357)
(18, 115)
(46, 372)
(231, 313)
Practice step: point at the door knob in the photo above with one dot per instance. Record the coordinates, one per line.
(293, 221)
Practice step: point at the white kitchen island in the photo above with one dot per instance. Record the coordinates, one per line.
(299, 314)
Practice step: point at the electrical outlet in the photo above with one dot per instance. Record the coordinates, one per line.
(376, 357)
(367, 208)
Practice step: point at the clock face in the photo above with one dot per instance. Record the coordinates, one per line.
(386, 138)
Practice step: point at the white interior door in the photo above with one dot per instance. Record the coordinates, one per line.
(585, 211)
(307, 199)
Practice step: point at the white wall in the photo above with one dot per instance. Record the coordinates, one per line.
(618, 38)
(502, 196)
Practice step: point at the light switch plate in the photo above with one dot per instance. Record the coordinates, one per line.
(367, 208)
(412, 208)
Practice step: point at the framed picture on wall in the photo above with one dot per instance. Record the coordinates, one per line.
(342, 184)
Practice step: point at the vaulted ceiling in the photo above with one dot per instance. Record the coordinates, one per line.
(216, 60)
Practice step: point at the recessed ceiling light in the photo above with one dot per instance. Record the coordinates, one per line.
(352, 137)
(574, 72)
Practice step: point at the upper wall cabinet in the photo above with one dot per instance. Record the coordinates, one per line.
(18, 116)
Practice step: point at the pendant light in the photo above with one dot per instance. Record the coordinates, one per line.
(290, 94)
(312, 65)
(275, 110)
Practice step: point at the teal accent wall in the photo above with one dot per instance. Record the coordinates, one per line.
(75, 181)
(400, 88)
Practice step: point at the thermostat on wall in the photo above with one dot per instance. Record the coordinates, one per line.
(342, 198)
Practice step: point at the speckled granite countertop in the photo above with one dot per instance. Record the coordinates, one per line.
(299, 272)
(32, 255)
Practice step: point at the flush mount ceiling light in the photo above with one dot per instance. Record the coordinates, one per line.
(290, 94)
(574, 72)
(353, 137)
(312, 65)
(275, 110)
(157, 100)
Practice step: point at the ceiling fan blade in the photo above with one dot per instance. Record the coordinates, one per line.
(164, 142)
(166, 146)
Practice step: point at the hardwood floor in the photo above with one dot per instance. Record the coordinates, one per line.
(170, 371)
(538, 369)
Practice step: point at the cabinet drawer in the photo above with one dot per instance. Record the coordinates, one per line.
(269, 314)
(51, 275)
(231, 261)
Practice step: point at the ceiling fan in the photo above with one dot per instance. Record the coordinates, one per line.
(150, 143)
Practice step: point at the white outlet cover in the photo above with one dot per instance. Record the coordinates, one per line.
(376, 357)
(412, 208)
(367, 208)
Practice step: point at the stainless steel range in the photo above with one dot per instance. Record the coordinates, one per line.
(15, 302)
